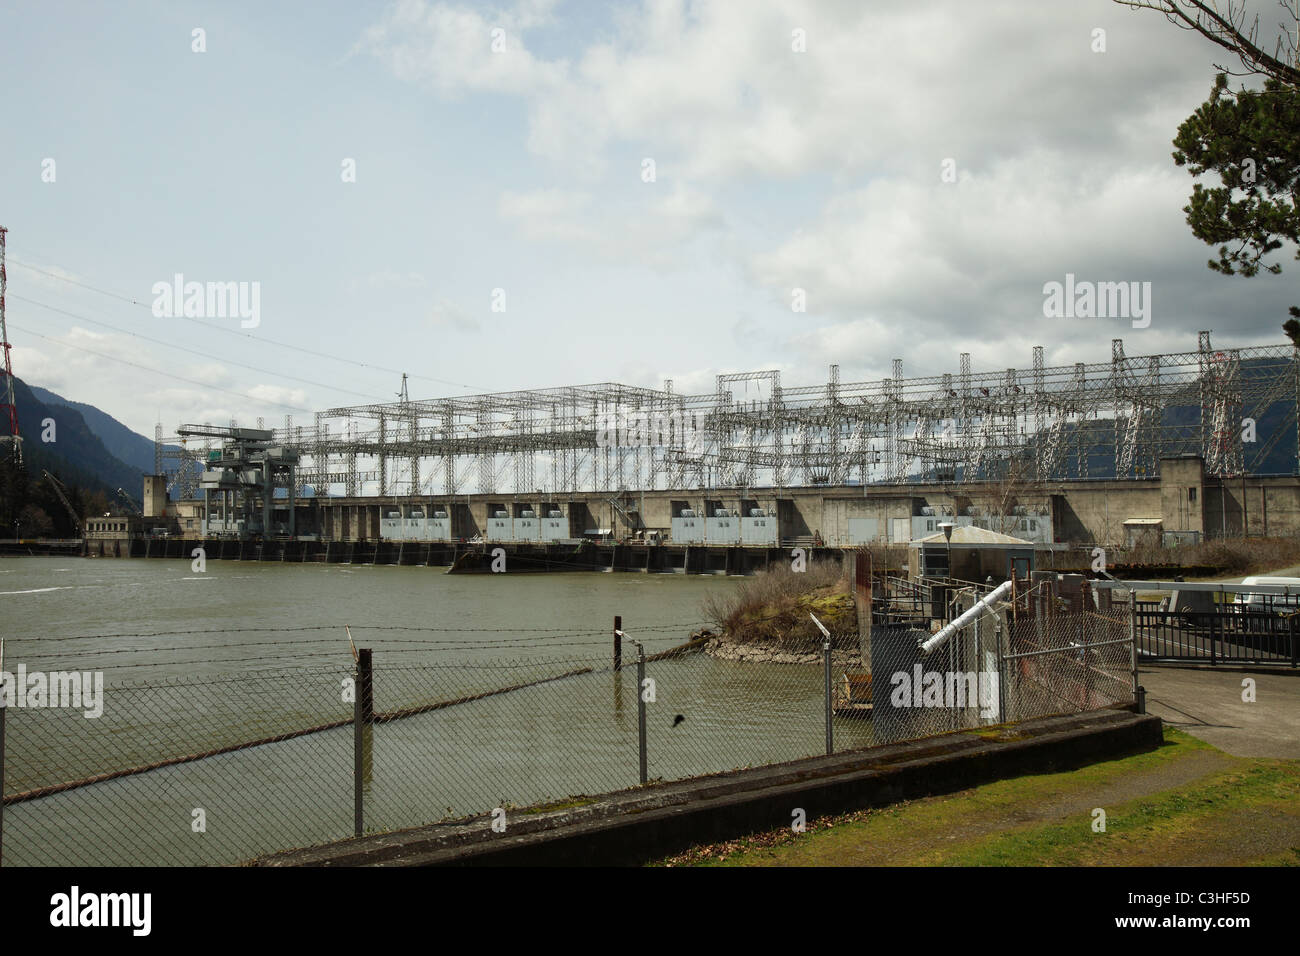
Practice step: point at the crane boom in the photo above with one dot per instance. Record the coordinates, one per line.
(59, 490)
(130, 503)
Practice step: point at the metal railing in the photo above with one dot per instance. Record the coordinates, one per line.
(1230, 634)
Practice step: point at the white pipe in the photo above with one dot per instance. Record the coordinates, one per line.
(966, 618)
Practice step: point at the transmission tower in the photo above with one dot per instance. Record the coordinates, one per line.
(9, 410)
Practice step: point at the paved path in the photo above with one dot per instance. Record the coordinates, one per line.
(1207, 703)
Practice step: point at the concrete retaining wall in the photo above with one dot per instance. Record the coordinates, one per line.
(648, 823)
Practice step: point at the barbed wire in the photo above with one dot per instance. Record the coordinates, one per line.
(336, 626)
(450, 646)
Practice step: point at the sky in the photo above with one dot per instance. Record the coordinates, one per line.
(492, 197)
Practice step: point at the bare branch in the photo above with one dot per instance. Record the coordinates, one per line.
(1227, 28)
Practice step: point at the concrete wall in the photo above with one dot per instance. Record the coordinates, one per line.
(1082, 512)
(155, 496)
(1182, 495)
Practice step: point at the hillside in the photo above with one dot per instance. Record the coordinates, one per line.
(77, 455)
(123, 444)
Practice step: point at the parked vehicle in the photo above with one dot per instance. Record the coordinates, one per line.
(1258, 607)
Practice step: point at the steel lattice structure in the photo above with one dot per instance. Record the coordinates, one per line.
(8, 409)
(1088, 420)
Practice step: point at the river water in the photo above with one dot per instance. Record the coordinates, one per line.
(243, 652)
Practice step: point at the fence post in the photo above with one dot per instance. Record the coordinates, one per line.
(1214, 647)
(1002, 690)
(1133, 646)
(618, 642)
(366, 692)
(640, 708)
(1087, 665)
(826, 667)
(363, 711)
(3, 709)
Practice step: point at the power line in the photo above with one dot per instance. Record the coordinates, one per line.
(261, 340)
(182, 348)
(155, 371)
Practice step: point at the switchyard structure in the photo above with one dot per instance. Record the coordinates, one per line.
(1113, 420)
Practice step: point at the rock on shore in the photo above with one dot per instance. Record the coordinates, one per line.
(762, 652)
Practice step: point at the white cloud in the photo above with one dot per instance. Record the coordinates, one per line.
(280, 395)
(450, 47)
(717, 88)
(652, 227)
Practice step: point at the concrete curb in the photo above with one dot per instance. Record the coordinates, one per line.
(648, 823)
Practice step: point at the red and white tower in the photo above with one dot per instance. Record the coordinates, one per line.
(8, 411)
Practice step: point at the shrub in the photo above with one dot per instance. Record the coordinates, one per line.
(773, 606)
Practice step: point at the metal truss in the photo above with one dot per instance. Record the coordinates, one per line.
(1109, 419)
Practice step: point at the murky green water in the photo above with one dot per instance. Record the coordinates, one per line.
(436, 638)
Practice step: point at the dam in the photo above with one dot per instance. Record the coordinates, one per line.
(1164, 449)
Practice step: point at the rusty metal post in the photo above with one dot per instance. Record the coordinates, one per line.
(618, 642)
(366, 685)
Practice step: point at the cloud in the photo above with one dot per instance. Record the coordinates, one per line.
(652, 227)
(450, 48)
(280, 395)
(389, 279)
(718, 89)
(549, 214)
(447, 315)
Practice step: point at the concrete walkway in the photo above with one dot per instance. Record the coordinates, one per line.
(1207, 703)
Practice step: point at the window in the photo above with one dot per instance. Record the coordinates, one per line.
(1033, 524)
(929, 526)
(1191, 494)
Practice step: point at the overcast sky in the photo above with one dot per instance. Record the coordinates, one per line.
(794, 146)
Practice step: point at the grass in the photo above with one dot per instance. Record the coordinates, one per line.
(1143, 826)
(569, 804)
(1201, 806)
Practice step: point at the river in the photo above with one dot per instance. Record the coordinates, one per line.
(199, 662)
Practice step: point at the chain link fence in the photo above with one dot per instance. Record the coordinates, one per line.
(179, 772)
(1026, 656)
(222, 770)
(1068, 663)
